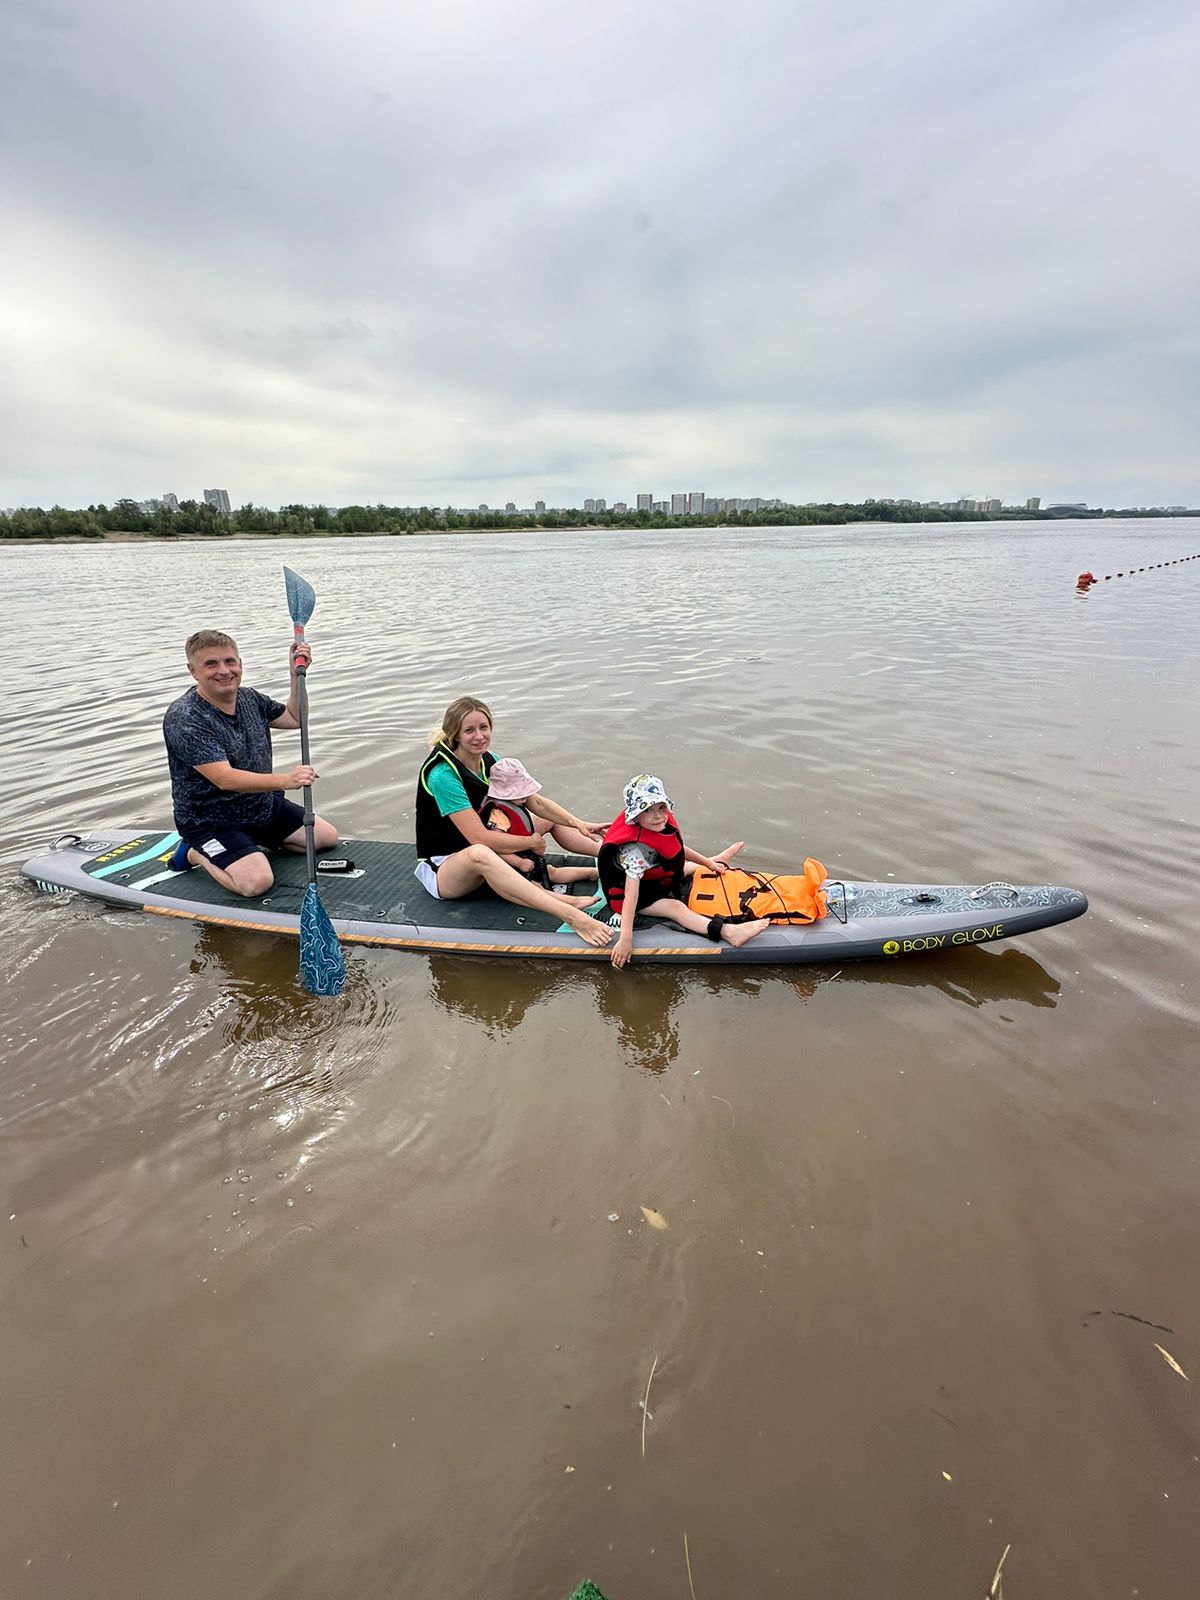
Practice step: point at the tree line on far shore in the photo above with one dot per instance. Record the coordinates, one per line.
(197, 518)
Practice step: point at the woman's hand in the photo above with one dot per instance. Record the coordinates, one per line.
(596, 829)
(622, 950)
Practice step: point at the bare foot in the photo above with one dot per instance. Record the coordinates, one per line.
(575, 899)
(740, 933)
(588, 929)
(730, 851)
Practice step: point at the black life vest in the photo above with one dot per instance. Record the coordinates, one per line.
(666, 876)
(436, 834)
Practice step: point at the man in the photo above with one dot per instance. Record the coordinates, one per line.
(229, 805)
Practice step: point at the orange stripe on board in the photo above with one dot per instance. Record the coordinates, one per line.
(466, 946)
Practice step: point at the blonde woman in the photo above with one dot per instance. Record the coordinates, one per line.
(459, 853)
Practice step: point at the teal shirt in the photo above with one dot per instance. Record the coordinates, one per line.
(446, 787)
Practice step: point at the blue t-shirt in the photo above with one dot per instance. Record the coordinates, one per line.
(197, 732)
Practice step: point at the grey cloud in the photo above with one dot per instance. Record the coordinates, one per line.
(819, 250)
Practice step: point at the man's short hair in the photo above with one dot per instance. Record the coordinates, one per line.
(207, 639)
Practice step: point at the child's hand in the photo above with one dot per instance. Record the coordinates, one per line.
(622, 950)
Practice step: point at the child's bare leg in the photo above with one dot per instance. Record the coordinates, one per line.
(572, 874)
(725, 856)
(734, 933)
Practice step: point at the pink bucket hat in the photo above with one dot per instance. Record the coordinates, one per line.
(508, 780)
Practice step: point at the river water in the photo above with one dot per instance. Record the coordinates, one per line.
(356, 1298)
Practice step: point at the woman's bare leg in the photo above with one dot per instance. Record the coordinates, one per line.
(464, 871)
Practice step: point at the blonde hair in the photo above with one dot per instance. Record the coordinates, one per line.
(455, 715)
(207, 639)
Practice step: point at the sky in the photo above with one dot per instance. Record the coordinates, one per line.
(362, 250)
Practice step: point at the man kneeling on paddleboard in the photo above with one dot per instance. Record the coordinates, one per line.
(229, 805)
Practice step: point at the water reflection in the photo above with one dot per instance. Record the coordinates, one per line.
(973, 976)
(642, 1003)
(280, 1034)
(499, 995)
(496, 994)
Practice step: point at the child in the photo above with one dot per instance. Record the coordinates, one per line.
(510, 808)
(644, 864)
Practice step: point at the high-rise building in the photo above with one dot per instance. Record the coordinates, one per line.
(589, 505)
(619, 507)
(601, 503)
(510, 505)
(1034, 503)
(218, 499)
(660, 508)
(696, 502)
(645, 502)
(539, 505)
(171, 502)
(679, 504)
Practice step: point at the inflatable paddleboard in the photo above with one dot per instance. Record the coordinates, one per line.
(379, 901)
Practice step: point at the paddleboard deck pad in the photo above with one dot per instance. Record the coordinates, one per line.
(380, 902)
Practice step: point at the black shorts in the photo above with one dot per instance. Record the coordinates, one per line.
(224, 846)
(648, 893)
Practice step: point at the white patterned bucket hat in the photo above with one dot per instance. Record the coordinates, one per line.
(643, 792)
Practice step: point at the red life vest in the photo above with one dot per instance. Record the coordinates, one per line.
(666, 876)
(507, 816)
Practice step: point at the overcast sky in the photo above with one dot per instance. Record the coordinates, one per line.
(360, 250)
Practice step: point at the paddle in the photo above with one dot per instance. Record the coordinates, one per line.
(321, 965)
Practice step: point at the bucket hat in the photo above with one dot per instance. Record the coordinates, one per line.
(508, 780)
(643, 792)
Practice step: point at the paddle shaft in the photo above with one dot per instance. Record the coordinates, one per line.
(302, 710)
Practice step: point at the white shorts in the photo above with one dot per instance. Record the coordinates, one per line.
(426, 874)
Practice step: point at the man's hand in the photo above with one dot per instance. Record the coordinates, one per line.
(300, 777)
(300, 655)
(536, 842)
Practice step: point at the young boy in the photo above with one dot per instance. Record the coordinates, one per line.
(511, 808)
(644, 864)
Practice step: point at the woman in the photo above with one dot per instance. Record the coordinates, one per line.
(459, 854)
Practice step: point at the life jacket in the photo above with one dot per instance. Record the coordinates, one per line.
(436, 834)
(796, 898)
(508, 816)
(666, 874)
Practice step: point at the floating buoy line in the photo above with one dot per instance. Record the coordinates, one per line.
(1085, 580)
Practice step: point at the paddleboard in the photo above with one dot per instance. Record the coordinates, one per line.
(380, 902)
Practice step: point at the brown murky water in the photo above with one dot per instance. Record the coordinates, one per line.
(320, 1299)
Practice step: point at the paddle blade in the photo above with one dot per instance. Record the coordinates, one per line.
(322, 968)
(300, 596)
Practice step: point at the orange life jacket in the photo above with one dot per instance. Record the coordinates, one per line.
(737, 893)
